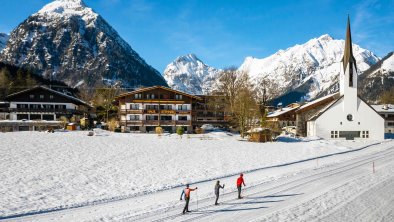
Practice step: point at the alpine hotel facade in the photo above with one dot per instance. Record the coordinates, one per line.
(144, 109)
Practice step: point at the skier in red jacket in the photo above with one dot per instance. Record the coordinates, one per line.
(240, 181)
(186, 192)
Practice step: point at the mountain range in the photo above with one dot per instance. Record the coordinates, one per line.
(301, 72)
(68, 41)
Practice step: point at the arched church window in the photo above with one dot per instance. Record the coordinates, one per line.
(350, 117)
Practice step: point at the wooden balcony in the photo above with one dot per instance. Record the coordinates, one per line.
(151, 122)
(131, 111)
(132, 123)
(186, 112)
(183, 122)
(155, 123)
(167, 122)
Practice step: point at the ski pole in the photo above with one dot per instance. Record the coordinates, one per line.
(197, 198)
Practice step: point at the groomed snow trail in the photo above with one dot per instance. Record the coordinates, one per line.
(341, 191)
(349, 191)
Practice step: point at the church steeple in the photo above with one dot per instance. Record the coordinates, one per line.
(348, 52)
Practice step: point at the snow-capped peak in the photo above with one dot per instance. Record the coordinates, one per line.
(189, 74)
(325, 37)
(67, 8)
(187, 58)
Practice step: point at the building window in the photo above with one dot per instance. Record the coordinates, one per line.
(152, 117)
(178, 97)
(35, 106)
(23, 106)
(152, 107)
(134, 106)
(31, 96)
(166, 118)
(137, 96)
(22, 116)
(50, 96)
(150, 96)
(41, 96)
(182, 107)
(334, 134)
(134, 117)
(365, 134)
(35, 117)
(390, 123)
(166, 107)
(349, 117)
(182, 118)
(48, 117)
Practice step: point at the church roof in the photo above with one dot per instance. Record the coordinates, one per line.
(318, 102)
(317, 115)
(348, 51)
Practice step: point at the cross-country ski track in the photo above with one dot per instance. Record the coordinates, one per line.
(342, 191)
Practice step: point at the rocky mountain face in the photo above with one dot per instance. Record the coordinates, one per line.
(3, 40)
(189, 74)
(304, 71)
(68, 41)
(377, 79)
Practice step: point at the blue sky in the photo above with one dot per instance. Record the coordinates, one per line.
(223, 32)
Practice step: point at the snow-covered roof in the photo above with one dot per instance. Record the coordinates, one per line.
(257, 130)
(282, 111)
(54, 91)
(314, 117)
(383, 109)
(156, 87)
(29, 121)
(322, 99)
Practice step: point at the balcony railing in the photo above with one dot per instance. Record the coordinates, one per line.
(46, 110)
(183, 122)
(154, 111)
(131, 111)
(155, 122)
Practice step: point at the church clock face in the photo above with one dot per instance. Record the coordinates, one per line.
(350, 117)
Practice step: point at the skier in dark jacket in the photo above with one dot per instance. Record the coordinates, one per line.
(240, 181)
(186, 192)
(217, 188)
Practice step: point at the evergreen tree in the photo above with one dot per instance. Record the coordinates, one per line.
(180, 131)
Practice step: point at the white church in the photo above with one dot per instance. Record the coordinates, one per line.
(348, 117)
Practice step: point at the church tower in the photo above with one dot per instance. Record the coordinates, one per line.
(348, 75)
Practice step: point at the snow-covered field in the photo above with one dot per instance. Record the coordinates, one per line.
(41, 172)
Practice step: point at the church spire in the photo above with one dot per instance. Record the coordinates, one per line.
(348, 52)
